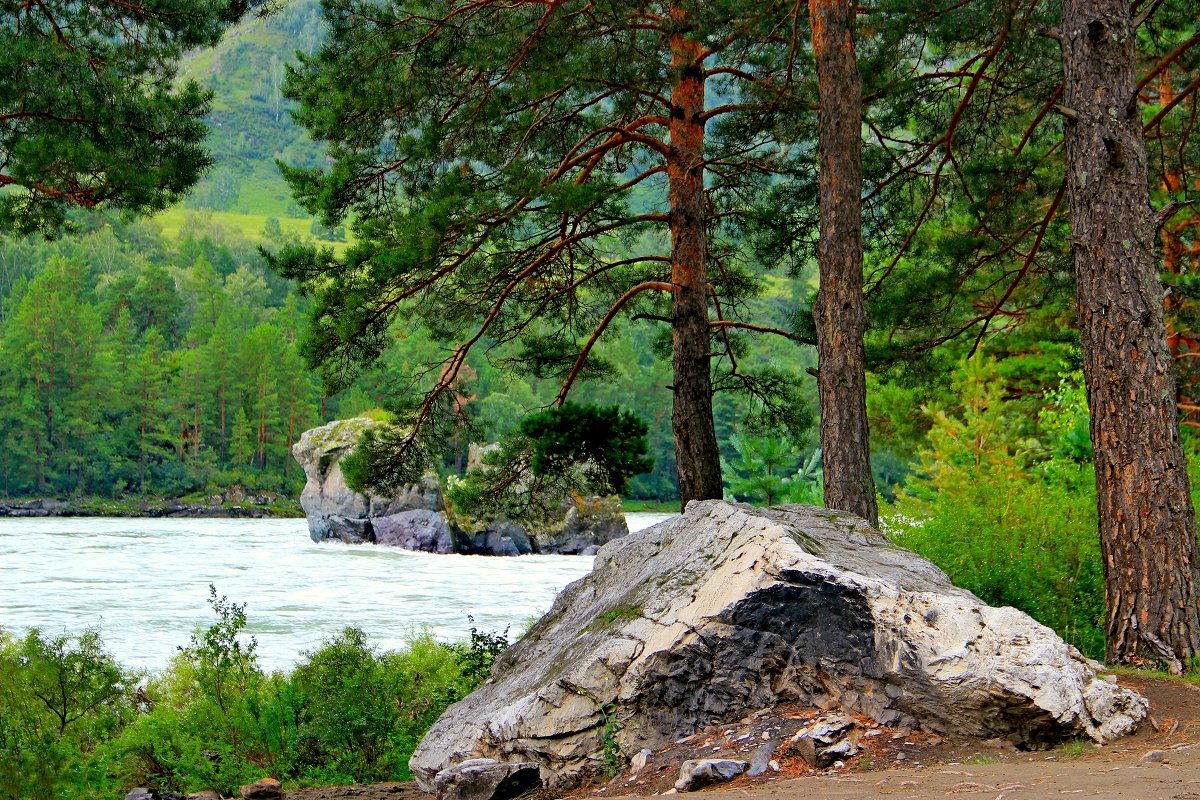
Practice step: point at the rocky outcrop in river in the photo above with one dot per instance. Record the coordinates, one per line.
(416, 518)
(731, 609)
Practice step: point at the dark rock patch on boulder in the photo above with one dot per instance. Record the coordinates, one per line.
(486, 779)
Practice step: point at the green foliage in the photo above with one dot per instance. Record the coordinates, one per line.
(554, 455)
(91, 112)
(361, 713)
(75, 726)
(769, 470)
(607, 443)
(1007, 518)
(611, 757)
(621, 612)
(61, 699)
(479, 652)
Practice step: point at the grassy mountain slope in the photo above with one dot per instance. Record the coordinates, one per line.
(250, 123)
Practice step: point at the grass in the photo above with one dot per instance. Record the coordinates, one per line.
(1077, 748)
(979, 761)
(650, 506)
(621, 612)
(1192, 676)
(174, 221)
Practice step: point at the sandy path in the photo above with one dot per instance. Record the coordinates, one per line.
(1120, 775)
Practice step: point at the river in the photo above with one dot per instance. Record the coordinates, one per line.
(144, 584)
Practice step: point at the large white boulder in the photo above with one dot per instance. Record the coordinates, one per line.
(729, 609)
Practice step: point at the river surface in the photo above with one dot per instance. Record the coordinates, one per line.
(144, 584)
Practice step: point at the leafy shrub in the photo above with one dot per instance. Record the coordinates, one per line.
(214, 720)
(60, 698)
(361, 713)
(347, 712)
(1006, 506)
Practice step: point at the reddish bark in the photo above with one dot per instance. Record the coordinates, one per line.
(1147, 524)
(696, 449)
(838, 312)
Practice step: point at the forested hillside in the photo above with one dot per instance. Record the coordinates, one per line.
(139, 362)
(250, 125)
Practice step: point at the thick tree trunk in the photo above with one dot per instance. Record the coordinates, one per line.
(838, 312)
(1147, 525)
(696, 452)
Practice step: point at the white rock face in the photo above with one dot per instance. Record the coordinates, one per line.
(729, 609)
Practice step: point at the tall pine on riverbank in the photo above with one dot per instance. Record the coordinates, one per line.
(532, 171)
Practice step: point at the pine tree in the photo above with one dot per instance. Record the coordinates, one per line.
(146, 386)
(155, 302)
(52, 380)
(91, 113)
(531, 171)
(838, 312)
(1147, 523)
(241, 439)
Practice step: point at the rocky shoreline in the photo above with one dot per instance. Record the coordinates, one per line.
(217, 507)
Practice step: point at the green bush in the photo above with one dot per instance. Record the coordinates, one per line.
(1004, 509)
(361, 713)
(61, 698)
(214, 719)
(74, 725)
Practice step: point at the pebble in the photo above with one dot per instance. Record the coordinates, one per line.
(1155, 757)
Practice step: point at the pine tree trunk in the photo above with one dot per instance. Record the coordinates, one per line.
(838, 312)
(696, 452)
(1147, 525)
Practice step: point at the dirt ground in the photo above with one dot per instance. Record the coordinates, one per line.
(909, 765)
